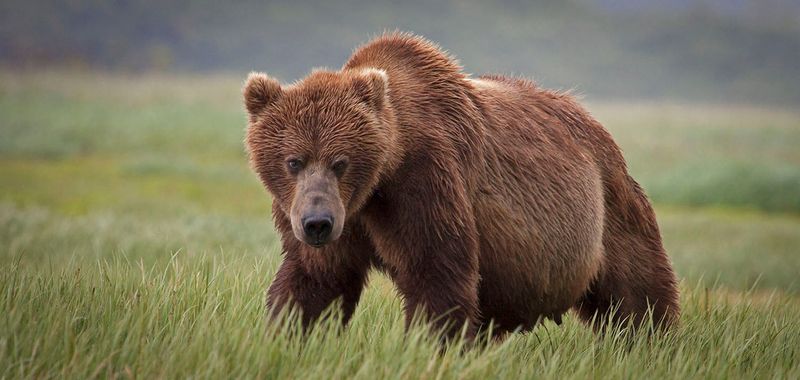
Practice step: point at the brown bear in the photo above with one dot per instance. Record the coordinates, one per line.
(485, 200)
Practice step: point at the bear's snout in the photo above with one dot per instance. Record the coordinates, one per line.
(317, 213)
(317, 228)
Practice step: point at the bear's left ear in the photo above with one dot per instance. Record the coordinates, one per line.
(259, 92)
(372, 85)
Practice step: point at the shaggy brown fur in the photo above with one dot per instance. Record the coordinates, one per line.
(484, 199)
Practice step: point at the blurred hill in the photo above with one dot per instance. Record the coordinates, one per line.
(713, 50)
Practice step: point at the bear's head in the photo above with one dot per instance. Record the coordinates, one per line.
(320, 145)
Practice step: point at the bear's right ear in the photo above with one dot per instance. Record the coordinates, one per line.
(372, 85)
(259, 92)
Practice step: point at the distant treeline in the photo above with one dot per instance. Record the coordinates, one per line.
(684, 53)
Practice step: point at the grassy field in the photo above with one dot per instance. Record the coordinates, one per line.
(134, 242)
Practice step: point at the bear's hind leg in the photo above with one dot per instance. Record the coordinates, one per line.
(636, 278)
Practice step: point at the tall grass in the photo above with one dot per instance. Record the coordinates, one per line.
(202, 316)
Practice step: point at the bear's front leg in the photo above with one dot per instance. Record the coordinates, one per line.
(311, 293)
(310, 279)
(430, 242)
(442, 291)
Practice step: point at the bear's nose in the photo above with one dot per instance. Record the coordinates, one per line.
(318, 228)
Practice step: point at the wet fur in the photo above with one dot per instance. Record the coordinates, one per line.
(484, 199)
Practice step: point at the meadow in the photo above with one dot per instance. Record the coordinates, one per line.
(136, 243)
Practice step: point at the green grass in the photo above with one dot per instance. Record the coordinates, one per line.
(201, 315)
(135, 242)
(734, 156)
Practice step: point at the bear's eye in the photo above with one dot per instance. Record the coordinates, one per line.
(294, 165)
(339, 167)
